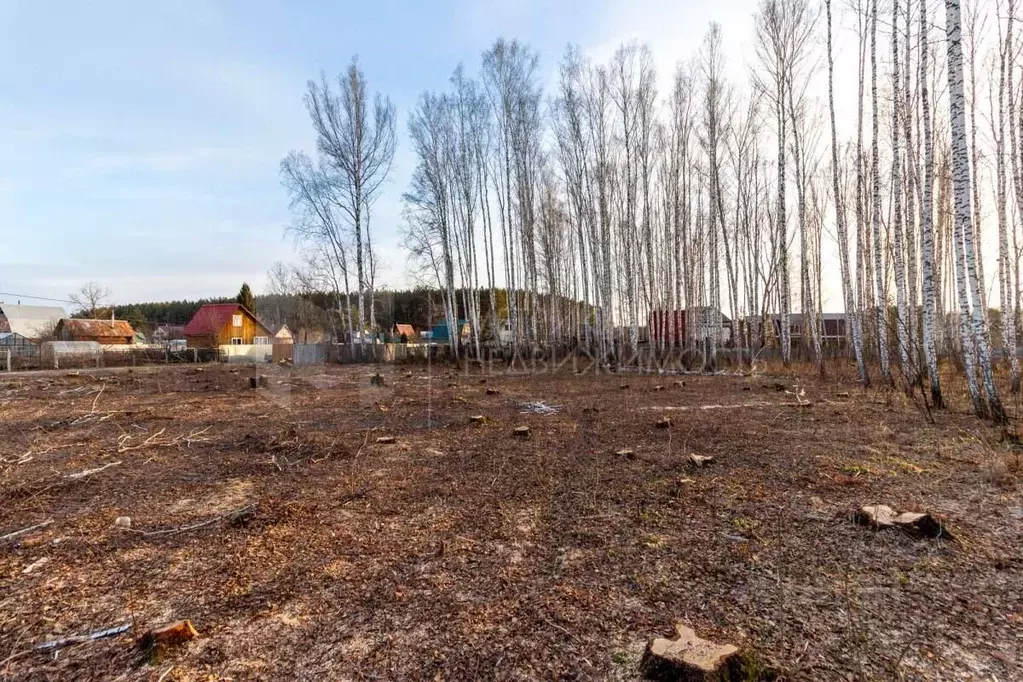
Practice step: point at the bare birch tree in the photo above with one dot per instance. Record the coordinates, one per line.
(963, 210)
(359, 147)
(927, 218)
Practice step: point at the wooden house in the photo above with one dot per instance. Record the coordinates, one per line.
(225, 324)
(165, 333)
(283, 335)
(405, 332)
(670, 325)
(103, 332)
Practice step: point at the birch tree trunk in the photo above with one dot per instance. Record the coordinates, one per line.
(851, 313)
(875, 180)
(927, 217)
(902, 314)
(963, 209)
(863, 284)
(1009, 315)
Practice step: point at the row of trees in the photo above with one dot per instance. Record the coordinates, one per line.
(606, 199)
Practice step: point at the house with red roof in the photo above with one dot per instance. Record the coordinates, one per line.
(225, 324)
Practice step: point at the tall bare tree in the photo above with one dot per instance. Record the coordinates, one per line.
(848, 290)
(961, 183)
(927, 219)
(90, 297)
(875, 204)
(358, 145)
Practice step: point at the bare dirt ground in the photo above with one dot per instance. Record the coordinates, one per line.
(461, 552)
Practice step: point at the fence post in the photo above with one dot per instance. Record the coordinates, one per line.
(195, 355)
(8, 359)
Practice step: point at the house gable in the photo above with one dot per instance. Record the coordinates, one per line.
(224, 324)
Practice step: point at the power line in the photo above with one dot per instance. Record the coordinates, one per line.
(36, 298)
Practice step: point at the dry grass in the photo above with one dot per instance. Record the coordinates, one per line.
(460, 552)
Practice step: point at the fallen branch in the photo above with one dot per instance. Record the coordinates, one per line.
(154, 440)
(689, 408)
(234, 514)
(96, 399)
(364, 441)
(78, 639)
(23, 531)
(90, 472)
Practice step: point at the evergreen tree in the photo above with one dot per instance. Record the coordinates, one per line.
(245, 296)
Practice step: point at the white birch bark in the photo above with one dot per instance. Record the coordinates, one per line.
(875, 201)
(1009, 315)
(851, 314)
(927, 216)
(902, 315)
(963, 209)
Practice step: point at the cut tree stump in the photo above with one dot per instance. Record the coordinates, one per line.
(521, 432)
(478, 419)
(689, 659)
(881, 517)
(624, 387)
(628, 453)
(387, 440)
(376, 380)
(663, 423)
(680, 384)
(169, 635)
(492, 391)
(700, 460)
(876, 515)
(658, 388)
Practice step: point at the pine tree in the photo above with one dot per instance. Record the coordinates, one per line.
(245, 296)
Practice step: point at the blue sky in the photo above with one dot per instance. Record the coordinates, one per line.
(140, 141)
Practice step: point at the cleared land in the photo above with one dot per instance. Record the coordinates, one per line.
(301, 548)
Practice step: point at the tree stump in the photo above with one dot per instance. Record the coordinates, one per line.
(169, 635)
(689, 659)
